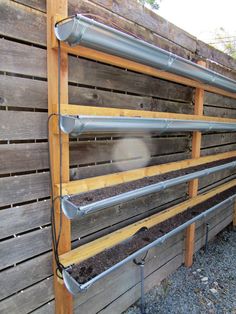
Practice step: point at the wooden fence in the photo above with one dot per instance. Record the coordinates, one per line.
(26, 283)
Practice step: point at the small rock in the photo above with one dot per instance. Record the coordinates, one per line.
(194, 272)
(204, 279)
(213, 291)
(199, 270)
(215, 283)
(201, 276)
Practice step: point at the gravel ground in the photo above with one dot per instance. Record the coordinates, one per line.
(209, 286)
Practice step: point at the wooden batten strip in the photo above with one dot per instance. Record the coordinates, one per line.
(90, 184)
(67, 109)
(193, 185)
(90, 249)
(137, 67)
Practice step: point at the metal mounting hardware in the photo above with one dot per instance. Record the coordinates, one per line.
(141, 264)
(76, 125)
(74, 287)
(89, 33)
(71, 210)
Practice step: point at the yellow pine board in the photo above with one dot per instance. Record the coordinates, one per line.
(68, 109)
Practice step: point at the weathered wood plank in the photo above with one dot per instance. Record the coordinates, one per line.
(26, 246)
(218, 100)
(100, 75)
(209, 52)
(96, 97)
(27, 93)
(220, 112)
(23, 218)
(18, 278)
(22, 59)
(29, 299)
(18, 58)
(21, 22)
(214, 229)
(146, 147)
(35, 4)
(212, 65)
(23, 188)
(48, 308)
(217, 149)
(15, 125)
(24, 157)
(217, 139)
(216, 179)
(102, 169)
(33, 94)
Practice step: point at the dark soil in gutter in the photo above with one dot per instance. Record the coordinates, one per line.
(97, 264)
(100, 194)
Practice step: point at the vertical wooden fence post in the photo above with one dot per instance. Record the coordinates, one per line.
(63, 299)
(193, 185)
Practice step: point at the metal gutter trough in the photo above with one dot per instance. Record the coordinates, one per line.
(71, 210)
(81, 30)
(76, 125)
(74, 287)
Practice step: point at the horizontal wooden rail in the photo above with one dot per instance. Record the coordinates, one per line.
(90, 249)
(137, 67)
(67, 109)
(85, 185)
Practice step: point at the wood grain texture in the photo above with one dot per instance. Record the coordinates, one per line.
(218, 139)
(112, 167)
(27, 93)
(15, 125)
(48, 308)
(21, 59)
(95, 74)
(23, 218)
(29, 299)
(31, 156)
(23, 188)
(218, 101)
(21, 22)
(26, 274)
(26, 246)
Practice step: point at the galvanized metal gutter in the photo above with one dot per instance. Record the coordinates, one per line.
(74, 287)
(71, 210)
(86, 32)
(75, 125)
